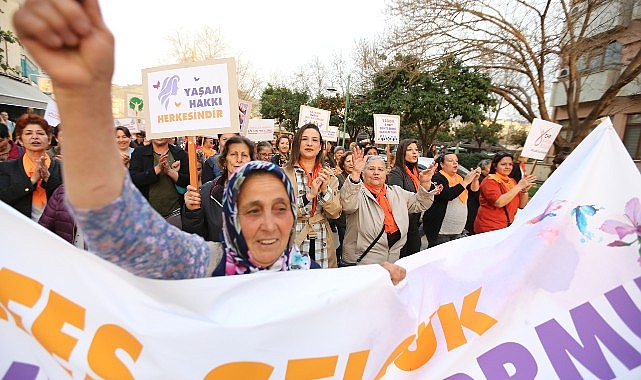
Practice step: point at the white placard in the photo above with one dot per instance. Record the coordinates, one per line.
(313, 115)
(387, 129)
(260, 129)
(127, 122)
(199, 99)
(540, 139)
(330, 134)
(51, 113)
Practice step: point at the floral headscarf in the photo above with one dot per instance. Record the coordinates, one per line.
(238, 258)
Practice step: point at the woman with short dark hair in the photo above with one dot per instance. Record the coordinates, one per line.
(202, 213)
(28, 182)
(501, 196)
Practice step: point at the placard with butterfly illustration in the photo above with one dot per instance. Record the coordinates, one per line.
(191, 99)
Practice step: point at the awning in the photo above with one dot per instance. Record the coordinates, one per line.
(16, 93)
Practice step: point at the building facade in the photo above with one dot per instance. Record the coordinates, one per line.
(614, 39)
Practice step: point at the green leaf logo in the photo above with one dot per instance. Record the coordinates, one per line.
(136, 104)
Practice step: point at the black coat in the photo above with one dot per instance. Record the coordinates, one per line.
(433, 217)
(400, 178)
(16, 188)
(207, 221)
(141, 167)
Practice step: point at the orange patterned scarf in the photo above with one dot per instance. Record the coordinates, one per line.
(310, 178)
(454, 180)
(39, 196)
(390, 223)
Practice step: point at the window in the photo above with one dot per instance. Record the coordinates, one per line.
(632, 136)
(612, 54)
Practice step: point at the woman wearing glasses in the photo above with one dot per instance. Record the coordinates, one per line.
(501, 196)
(377, 214)
(203, 212)
(264, 151)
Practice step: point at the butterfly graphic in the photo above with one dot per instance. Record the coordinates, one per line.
(177, 104)
(157, 85)
(552, 206)
(581, 213)
(196, 79)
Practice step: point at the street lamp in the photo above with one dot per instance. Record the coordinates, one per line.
(346, 97)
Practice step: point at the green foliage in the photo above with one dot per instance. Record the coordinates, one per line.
(517, 137)
(427, 100)
(283, 105)
(334, 104)
(471, 160)
(8, 37)
(444, 135)
(479, 132)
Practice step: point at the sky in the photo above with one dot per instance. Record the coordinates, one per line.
(277, 37)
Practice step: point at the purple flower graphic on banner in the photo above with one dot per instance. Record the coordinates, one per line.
(632, 212)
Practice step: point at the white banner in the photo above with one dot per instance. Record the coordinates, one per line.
(387, 129)
(313, 115)
(260, 129)
(540, 139)
(51, 113)
(197, 99)
(555, 295)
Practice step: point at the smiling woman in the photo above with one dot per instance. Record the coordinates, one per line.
(27, 183)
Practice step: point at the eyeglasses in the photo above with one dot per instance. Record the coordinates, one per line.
(265, 155)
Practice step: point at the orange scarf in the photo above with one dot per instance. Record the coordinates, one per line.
(413, 176)
(310, 178)
(390, 223)
(208, 152)
(454, 180)
(39, 195)
(503, 180)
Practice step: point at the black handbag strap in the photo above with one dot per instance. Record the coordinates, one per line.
(366, 251)
(507, 216)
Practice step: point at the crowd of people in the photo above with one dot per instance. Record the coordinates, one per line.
(274, 205)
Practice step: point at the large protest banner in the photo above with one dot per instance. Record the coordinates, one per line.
(555, 295)
(191, 99)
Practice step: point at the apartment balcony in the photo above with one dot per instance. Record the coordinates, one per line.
(593, 86)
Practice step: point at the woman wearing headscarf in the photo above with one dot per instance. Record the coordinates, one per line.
(446, 219)
(501, 196)
(377, 214)
(405, 175)
(26, 183)
(317, 198)
(118, 222)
